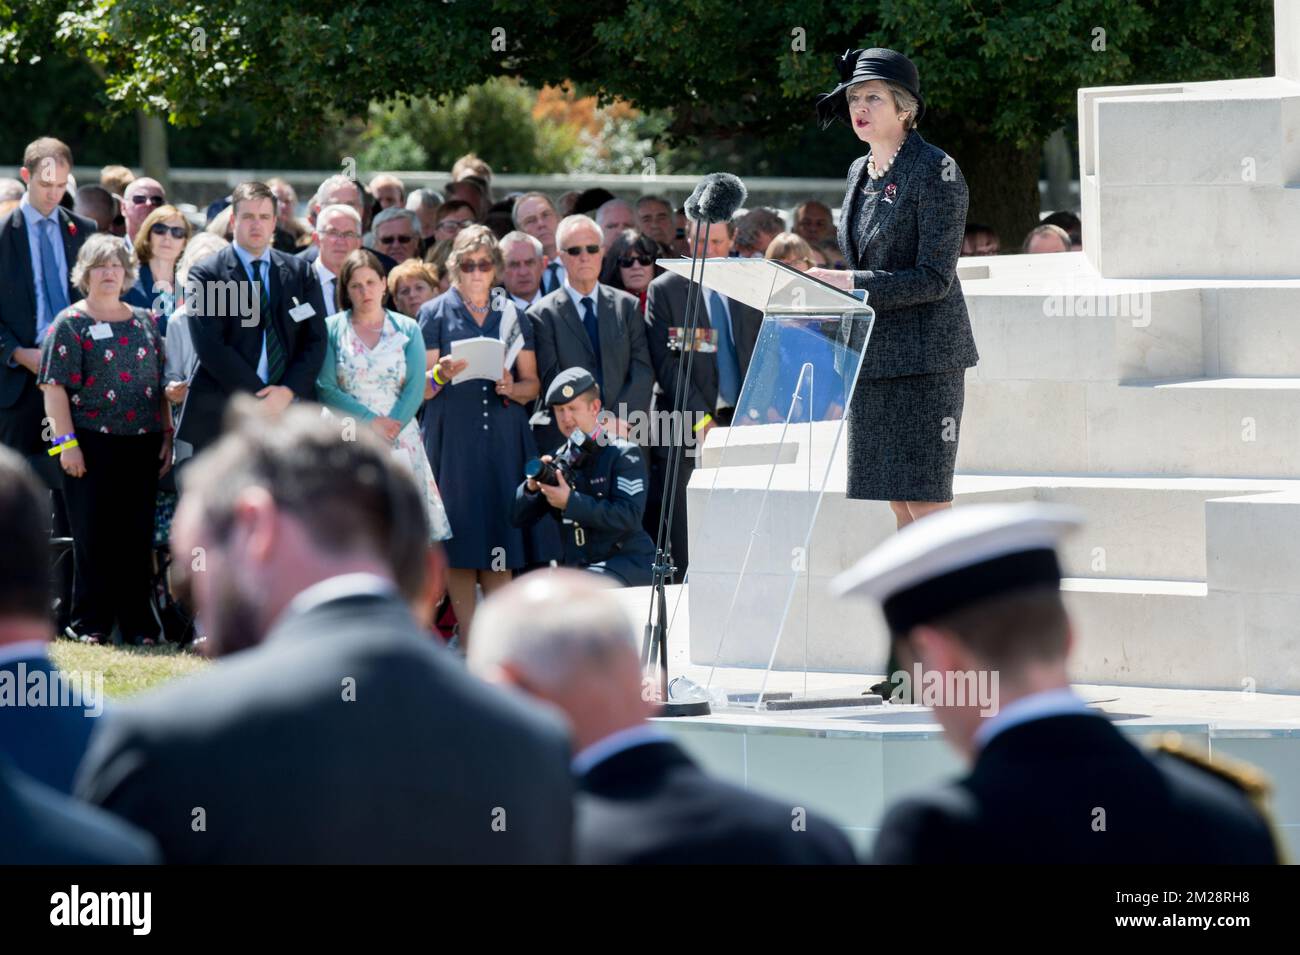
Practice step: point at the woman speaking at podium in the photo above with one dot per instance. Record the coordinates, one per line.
(900, 229)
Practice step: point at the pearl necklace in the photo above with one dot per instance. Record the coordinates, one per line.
(874, 171)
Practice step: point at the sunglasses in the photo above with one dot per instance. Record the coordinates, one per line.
(627, 261)
(395, 239)
(481, 265)
(160, 228)
(577, 250)
(140, 200)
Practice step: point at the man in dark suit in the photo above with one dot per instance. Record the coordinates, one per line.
(564, 638)
(716, 375)
(39, 242)
(584, 324)
(333, 729)
(972, 599)
(252, 318)
(45, 741)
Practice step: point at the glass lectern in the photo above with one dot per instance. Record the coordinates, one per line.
(752, 507)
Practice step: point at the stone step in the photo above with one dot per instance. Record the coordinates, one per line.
(1220, 427)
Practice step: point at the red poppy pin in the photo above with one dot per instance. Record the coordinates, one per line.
(890, 191)
(72, 228)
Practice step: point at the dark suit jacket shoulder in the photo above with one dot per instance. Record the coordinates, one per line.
(42, 826)
(908, 263)
(1071, 789)
(45, 742)
(228, 341)
(345, 737)
(652, 805)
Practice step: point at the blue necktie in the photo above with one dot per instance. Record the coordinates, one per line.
(552, 278)
(593, 332)
(56, 289)
(728, 369)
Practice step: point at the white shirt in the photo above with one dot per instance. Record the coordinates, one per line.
(1059, 702)
(523, 304)
(577, 296)
(343, 585)
(616, 743)
(327, 280)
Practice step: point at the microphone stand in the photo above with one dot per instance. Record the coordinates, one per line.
(654, 650)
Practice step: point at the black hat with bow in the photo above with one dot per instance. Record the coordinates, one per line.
(858, 66)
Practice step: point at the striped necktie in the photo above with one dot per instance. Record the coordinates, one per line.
(274, 347)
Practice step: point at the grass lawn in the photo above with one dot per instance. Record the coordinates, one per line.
(127, 670)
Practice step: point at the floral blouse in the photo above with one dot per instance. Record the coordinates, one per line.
(112, 371)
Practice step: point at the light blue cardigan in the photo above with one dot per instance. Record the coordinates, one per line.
(327, 382)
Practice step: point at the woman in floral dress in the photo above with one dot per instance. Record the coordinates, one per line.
(374, 372)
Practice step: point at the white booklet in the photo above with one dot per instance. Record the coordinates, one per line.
(486, 357)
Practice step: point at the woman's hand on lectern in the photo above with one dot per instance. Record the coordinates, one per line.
(840, 278)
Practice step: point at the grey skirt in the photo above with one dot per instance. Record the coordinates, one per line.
(903, 432)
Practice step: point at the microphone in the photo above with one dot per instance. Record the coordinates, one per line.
(716, 198)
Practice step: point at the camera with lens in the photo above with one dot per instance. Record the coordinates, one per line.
(575, 454)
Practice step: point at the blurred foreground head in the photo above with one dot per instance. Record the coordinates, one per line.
(564, 637)
(280, 503)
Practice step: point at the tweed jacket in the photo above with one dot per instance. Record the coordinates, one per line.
(908, 263)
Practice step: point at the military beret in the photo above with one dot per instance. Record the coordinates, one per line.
(568, 384)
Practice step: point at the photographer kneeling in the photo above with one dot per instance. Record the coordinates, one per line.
(595, 485)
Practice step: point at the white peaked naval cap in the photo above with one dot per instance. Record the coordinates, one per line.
(960, 556)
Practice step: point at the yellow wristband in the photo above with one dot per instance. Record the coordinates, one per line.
(63, 447)
(702, 422)
(438, 381)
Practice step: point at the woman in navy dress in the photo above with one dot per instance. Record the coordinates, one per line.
(476, 432)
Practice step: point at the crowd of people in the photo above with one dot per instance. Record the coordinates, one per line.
(141, 321)
(333, 426)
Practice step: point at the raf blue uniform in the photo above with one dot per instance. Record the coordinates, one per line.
(601, 526)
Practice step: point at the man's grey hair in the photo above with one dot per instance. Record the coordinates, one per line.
(510, 238)
(550, 625)
(646, 200)
(514, 210)
(103, 248)
(11, 189)
(608, 206)
(389, 215)
(424, 199)
(350, 212)
(1048, 229)
(333, 182)
(569, 223)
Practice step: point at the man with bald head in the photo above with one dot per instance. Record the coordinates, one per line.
(141, 197)
(339, 190)
(613, 217)
(564, 638)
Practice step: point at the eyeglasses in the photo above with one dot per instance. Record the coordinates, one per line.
(456, 224)
(627, 261)
(154, 201)
(336, 234)
(161, 228)
(398, 239)
(577, 250)
(479, 265)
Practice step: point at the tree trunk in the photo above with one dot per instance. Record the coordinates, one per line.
(1060, 173)
(153, 148)
(1003, 183)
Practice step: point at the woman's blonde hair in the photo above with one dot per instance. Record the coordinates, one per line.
(103, 248)
(410, 270)
(787, 245)
(469, 240)
(144, 237)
